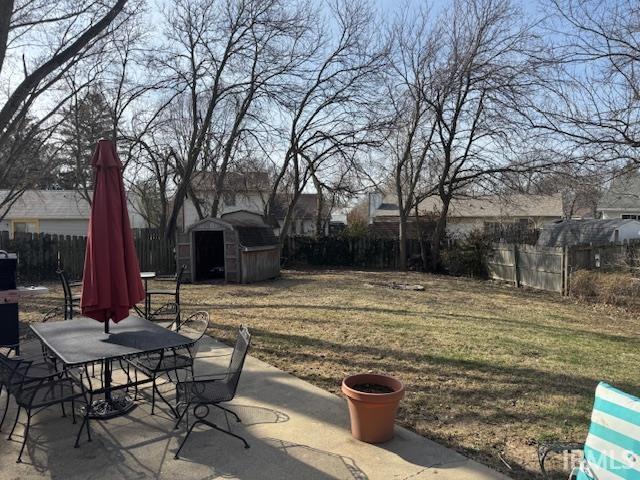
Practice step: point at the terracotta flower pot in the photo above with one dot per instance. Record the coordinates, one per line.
(372, 414)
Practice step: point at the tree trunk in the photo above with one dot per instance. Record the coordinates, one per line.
(423, 251)
(319, 208)
(286, 223)
(438, 235)
(178, 203)
(6, 12)
(402, 240)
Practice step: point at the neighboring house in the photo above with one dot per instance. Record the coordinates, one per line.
(304, 215)
(249, 192)
(622, 200)
(241, 191)
(588, 232)
(60, 212)
(476, 213)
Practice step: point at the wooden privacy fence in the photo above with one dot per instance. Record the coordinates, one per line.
(40, 255)
(550, 268)
(363, 252)
(615, 257)
(544, 268)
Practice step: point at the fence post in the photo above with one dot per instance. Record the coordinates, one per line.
(516, 276)
(566, 270)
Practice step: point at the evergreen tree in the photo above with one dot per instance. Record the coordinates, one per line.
(87, 119)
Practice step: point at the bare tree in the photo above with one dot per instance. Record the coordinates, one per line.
(325, 107)
(411, 120)
(79, 24)
(592, 93)
(74, 31)
(482, 72)
(221, 57)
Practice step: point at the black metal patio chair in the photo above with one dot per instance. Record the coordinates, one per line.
(34, 392)
(173, 360)
(71, 298)
(199, 393)
(47, 355)
(173, 292)
(39, 367)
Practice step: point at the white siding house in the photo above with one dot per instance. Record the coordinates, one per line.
(249, 192)
(60, 212)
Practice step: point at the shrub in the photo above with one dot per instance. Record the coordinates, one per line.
(468, 256)
(619, 289)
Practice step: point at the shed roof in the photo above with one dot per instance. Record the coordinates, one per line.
(49, 204)
(581, 232)
(250, 233)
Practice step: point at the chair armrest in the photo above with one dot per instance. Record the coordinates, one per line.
(544, 449)
(213, 377)
(75, 284)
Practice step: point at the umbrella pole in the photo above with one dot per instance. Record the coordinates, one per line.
(107, 380)
(107, 369)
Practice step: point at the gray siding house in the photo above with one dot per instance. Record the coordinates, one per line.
(467, 214)
(60, 212)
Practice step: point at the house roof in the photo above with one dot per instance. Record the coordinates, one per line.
(486, 206)
(623, 194)
(233, 181)
(49, 204)
(305, 208)
(581, 232)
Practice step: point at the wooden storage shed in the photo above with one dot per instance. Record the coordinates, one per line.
(240, 248)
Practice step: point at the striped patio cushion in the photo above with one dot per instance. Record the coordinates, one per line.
(612, 449)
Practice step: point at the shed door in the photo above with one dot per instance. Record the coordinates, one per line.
(232, 259)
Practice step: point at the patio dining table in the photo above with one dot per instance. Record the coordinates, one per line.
(82, 341)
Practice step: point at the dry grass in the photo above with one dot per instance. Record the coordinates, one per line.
(611, 288)
(489, 370)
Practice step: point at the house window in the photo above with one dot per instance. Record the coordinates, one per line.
(630, 217)
(24, 226)
(229, 199)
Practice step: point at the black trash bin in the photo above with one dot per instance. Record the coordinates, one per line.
(9, 326)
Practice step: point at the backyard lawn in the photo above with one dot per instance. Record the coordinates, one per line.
(489, 370)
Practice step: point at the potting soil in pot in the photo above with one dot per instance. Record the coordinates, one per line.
(372, 388)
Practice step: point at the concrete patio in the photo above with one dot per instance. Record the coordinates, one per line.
(296, 431)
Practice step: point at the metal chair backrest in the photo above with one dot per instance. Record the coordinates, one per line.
(194, 327)
(7, 365)
(66, 288)
(51, 314)
(13, 372)
(243, 341)
(169, 313)
(179, 282)
(55, 312)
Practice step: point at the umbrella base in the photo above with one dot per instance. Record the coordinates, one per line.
(113, 407)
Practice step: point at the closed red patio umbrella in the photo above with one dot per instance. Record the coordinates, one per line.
(111, 283)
